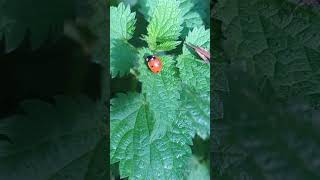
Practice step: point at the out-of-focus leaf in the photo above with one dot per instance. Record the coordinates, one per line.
(275, 40)
(98, 24)
(53, 141)
(38, 17)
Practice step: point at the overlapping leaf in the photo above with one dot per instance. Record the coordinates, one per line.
(122, 22)
(141, 157)
(196, 78)
(122, 54)
(199, 37)
(165, 26)
(196, 93)
(193, 12)
(162, 91)
(123, 57)
(194, 73)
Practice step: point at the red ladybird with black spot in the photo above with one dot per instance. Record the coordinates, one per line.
(154, 63)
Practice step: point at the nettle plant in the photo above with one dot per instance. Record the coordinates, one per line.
(152, 130)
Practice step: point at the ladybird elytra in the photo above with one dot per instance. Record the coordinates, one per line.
(154, 63)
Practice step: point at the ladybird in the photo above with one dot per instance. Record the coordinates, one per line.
(154, 63)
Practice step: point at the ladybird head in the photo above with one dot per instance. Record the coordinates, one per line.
(150, 57)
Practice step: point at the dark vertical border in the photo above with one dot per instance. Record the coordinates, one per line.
(211, 87)
(217, 95)
(106, 86)
(212, 44)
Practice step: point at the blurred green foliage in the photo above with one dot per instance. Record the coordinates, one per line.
(269, 127)
(51, 64)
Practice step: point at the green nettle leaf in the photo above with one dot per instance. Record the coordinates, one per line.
(54, 141)
(122, 22)
(284, 48)
(165, 26)
(192, 12)
(39, 17)
(122, 54)
(196, 92)
(140, 158)
(198, 110)
(199, 37)
(195, 76)
(194, 73)
(162, 91)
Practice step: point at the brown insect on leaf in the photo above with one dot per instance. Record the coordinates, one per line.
(203, 53)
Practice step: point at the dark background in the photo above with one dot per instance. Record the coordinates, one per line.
(57, 68)
(52, 118)
(261, 131)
